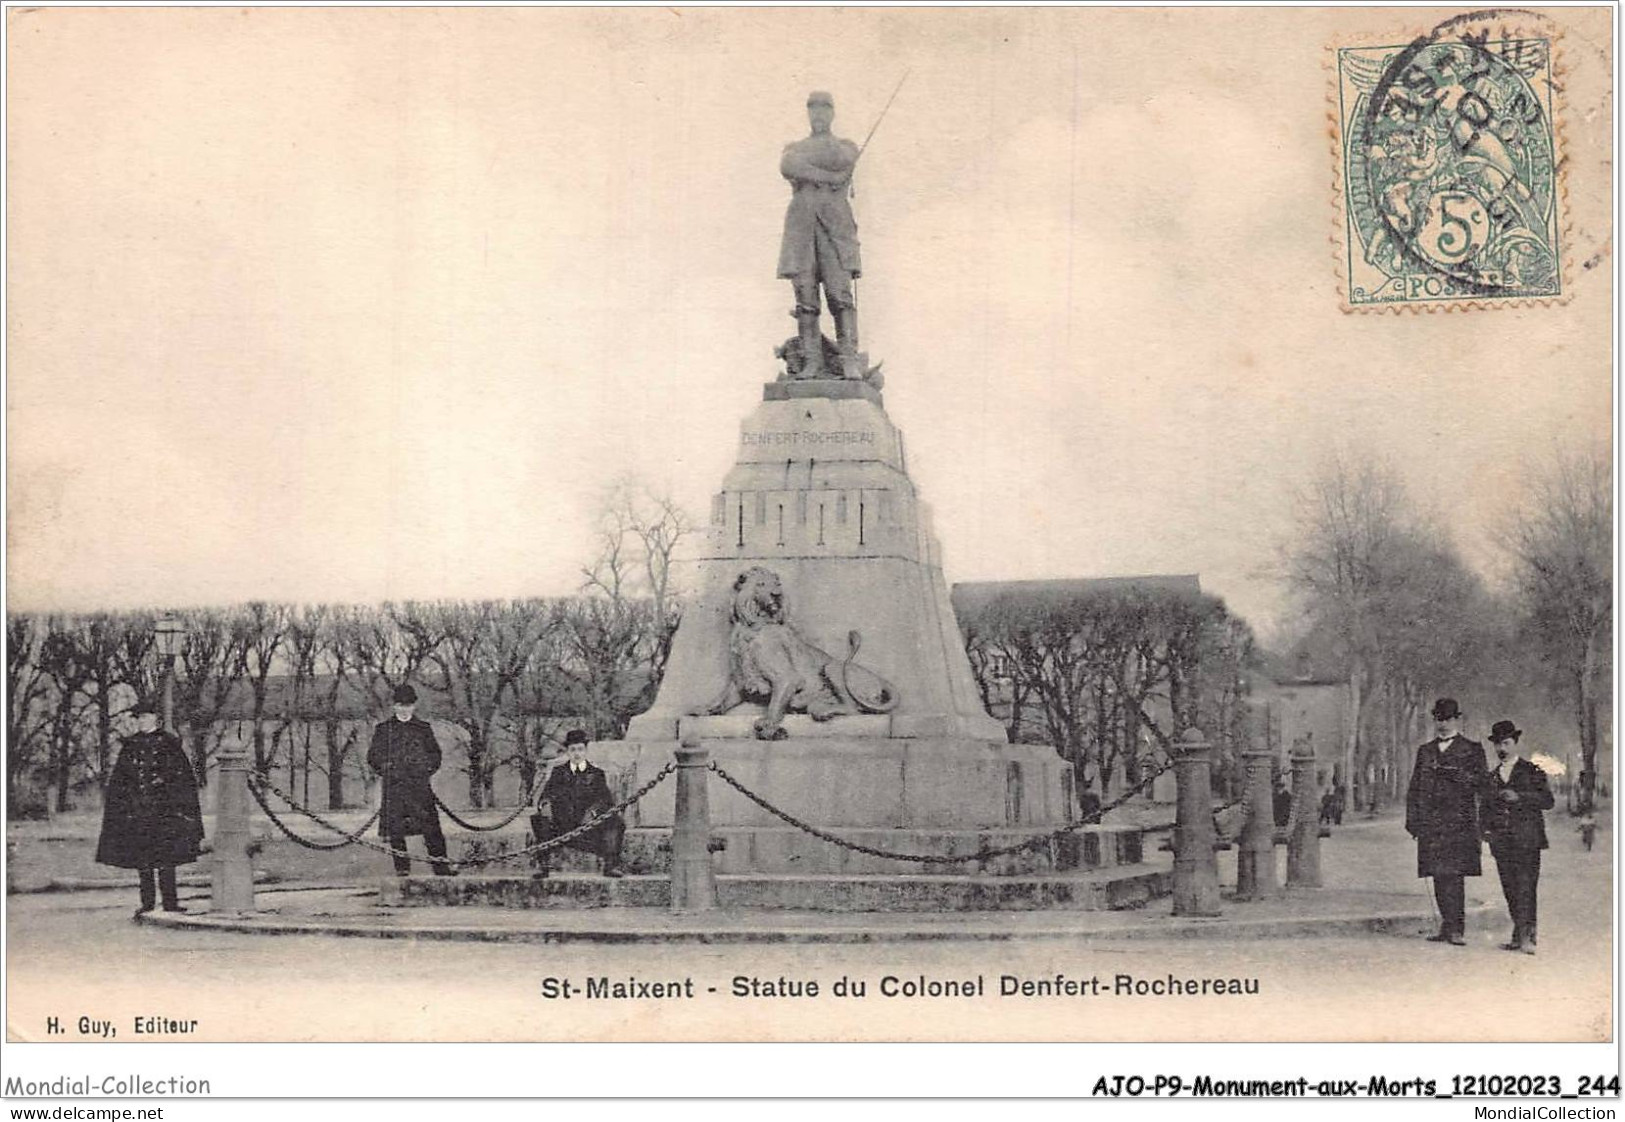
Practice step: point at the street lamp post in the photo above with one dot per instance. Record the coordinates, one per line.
(168, 634)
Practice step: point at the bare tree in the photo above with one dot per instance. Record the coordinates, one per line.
(550, 700)
(1110, 673)
(213, 660)
(63, 657)
(135, 657)
(1560, 541)
(28, 691)
(384, 651)
(303, 634)
(263, 629)
(339, 639)
(640, 532)
(101, 641)
(478, 663)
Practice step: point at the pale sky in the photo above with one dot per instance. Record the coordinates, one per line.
(354, 304)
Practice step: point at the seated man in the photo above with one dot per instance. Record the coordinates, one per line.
(574, 792)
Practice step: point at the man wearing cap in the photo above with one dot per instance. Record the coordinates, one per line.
(1515, 823)
(151, 820)
(574, 792)
(1442, 814)
(820, 245)
(405, 752)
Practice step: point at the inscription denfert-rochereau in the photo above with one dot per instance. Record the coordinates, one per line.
(808, 438)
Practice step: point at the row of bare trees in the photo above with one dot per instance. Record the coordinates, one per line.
(1110, 674)
(1382, 587)
(511, 674)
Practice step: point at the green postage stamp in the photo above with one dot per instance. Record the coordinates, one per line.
(1447, 152)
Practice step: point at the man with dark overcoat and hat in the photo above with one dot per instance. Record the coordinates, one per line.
(574, 792)
(1515, 824)
(1442, 814)
(151, 821)
(405, 753)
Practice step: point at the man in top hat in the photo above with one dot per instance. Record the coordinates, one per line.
(1515, 823)
(151, 821)
(820, 245)
(405, 752)
(574, 792)
(1442, 814)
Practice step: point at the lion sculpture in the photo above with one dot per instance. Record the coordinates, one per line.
(770, 661)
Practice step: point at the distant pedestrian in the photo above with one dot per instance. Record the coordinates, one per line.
(1282, 799)
(1442, 814)
(1588, 830)
(1515, 823)
(1327, 803)
(405, 752)
(151, 822)
(1088, 802)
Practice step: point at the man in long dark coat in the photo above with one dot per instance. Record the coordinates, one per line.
(574, 792)
(1442, 814)
(405, 753)
(1515, 823)
(151, 821)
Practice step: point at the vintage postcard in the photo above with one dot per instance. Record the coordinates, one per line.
(806, 525)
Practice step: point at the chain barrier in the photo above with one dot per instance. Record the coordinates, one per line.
(1222, 808)
(452, 814)
(468, 862)
(287, 831)
(936, 858)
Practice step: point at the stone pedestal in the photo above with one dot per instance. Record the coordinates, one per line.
(693, 886)
(1303, 846)
(860, 781)
(1255, 860)
(1196, 872)
(232, 882)
(820, 495)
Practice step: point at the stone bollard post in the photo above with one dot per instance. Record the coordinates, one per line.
(1303, 847)
(1255, 858)
(232, 888)
(1196, 871)
(693, 884)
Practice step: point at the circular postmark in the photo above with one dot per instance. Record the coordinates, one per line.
(1456, 150)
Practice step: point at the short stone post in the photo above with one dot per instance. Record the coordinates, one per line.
(1255, 858)
(232, 888)
(1303, 847)
(693, 884)
(1196, 871)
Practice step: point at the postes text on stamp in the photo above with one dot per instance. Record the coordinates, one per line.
(1448, 171)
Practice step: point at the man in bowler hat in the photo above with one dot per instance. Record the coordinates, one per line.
(1442, 814)
(1515, 823)
(574, 792)
(405, 753)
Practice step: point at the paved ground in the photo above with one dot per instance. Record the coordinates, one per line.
(74, 954)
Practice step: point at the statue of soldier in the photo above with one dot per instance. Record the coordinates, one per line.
(820, 244)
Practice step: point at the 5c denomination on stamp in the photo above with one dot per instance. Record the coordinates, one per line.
(1448, 168)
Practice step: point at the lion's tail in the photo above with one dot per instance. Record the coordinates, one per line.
(886, 697)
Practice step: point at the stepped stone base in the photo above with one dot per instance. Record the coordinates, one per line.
(770, 850)
(854, 780)
(1098, 891)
